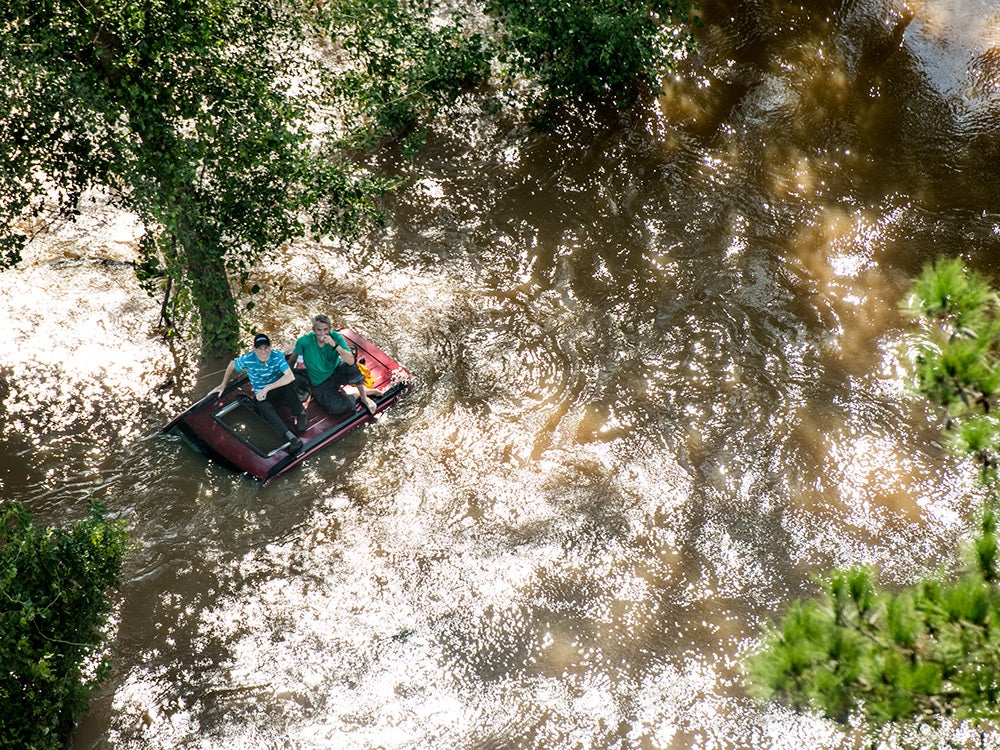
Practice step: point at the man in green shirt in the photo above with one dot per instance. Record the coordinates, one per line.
(337, 383)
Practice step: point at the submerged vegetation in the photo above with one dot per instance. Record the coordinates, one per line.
(53, 606)
(932, 649)
(232, 126)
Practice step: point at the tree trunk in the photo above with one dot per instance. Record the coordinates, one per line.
(199, 244)
(203, 256)
(213, 297)
(196, 240)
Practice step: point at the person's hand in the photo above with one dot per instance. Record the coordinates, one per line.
(218, 389)
(261, 395)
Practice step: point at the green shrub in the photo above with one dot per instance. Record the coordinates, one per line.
(409, 60)
(53, 605)
(592, 49)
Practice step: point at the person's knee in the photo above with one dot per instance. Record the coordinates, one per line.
(348, 374)
(338, 403)
(302, 385)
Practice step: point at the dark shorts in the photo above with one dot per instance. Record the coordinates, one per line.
(328, 393)
(346, 374)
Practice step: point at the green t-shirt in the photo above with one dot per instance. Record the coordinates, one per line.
(320, 361)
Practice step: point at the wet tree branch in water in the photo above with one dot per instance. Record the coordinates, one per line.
(932, 649)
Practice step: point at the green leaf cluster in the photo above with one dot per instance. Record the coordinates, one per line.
(407, 60)
(592, 49)
(53, 604)
(957, 355)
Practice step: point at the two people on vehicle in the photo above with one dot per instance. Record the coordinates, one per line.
(325, 364)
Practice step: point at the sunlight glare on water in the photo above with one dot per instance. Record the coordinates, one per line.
(658, 387)
(67, 356)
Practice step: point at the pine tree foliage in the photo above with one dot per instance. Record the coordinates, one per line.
(928, 651)
(932, 649)
(957, 360)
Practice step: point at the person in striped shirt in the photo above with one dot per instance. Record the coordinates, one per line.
(272, 381)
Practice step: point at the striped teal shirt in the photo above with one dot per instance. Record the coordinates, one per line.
(262, 374)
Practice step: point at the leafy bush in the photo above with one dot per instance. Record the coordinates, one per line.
(592, 49)
(53, 604)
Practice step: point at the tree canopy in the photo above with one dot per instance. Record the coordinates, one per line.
(231, 126)
(592, 49)
(186, 112)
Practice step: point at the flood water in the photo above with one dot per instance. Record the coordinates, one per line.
(659, 386)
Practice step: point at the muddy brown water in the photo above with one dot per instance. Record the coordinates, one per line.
(660, 385)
